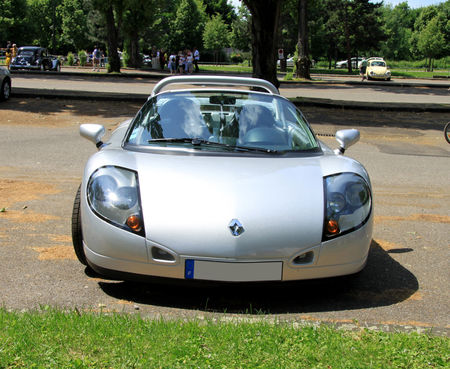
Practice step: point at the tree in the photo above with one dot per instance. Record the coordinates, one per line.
(431, 34)
(14, 22)
(216, 35)
(398, 24)
(357, 27)
(74, 18)
(158, 32)
(303, 62)
(240, 37)
(264, 26)
(45, 21)
(431, 41)
(187, 28)
(221, 7)
(138, 15)
(112, 11)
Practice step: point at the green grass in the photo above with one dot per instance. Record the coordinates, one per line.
(229, 68)
(396, 72)
(54, 339)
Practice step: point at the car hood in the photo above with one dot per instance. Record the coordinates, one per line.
(189, 201)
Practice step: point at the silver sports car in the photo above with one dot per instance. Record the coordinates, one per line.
(217, 181)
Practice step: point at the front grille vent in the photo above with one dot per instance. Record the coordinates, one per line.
(161, 255)
(304, 258)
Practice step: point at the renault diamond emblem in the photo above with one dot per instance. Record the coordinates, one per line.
(236, 227)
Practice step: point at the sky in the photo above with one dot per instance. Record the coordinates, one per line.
(411, 3)
(415, 3)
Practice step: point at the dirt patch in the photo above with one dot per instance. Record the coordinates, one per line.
(15, 191)
(432, 218)
(26, 216)
(55, 253)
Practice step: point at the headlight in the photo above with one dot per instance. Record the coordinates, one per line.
(348, 204)
(113, 194)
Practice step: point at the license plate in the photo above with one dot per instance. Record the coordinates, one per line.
(233, 272)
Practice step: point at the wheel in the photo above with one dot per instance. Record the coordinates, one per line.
(5, 91)
(77, 236)
(388, 79)
(447, 132)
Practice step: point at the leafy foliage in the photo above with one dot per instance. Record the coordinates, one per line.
(215, 34)
(338, 29)
(187, 28)
(13, 21)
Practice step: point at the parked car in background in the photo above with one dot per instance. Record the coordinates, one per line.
(344, 63)
(146, 60)
(214, 182)
(35, 58)
(5, 84)
(290, 62)
(377, 69)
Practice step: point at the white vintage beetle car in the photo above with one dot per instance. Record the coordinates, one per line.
(220, 183)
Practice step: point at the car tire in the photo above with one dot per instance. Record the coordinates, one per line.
(5, 91)
(447, 132)
(77, 235)
(388, 79)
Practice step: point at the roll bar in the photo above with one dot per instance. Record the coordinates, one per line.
(216, 80)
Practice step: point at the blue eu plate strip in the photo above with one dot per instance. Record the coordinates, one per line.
(189, 269)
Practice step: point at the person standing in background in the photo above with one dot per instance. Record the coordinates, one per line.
(196, 59)
(8, 54)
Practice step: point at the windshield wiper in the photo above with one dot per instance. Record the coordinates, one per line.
(193, 141)
(201, 141)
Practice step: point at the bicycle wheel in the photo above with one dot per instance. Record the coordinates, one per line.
(447, 132)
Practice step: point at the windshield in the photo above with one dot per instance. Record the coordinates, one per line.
(25, 53)
(222, 121)
(378, 64)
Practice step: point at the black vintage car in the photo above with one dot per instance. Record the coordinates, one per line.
(34, 58)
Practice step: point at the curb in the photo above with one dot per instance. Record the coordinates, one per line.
(374, 106)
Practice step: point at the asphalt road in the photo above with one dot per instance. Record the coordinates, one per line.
(404, 286)
(337, 88)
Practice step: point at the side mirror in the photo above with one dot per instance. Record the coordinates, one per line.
(346, 138)
(93, 132)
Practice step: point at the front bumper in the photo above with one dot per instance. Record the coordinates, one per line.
(25, 66)
(133, 255)
(383, 76)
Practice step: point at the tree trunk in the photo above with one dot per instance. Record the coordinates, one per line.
(135, 58)
(348, 47)
(113, 56)
(303, 63)
(264, 26)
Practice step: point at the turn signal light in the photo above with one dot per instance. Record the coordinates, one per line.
(134, 222)
(332, 227)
